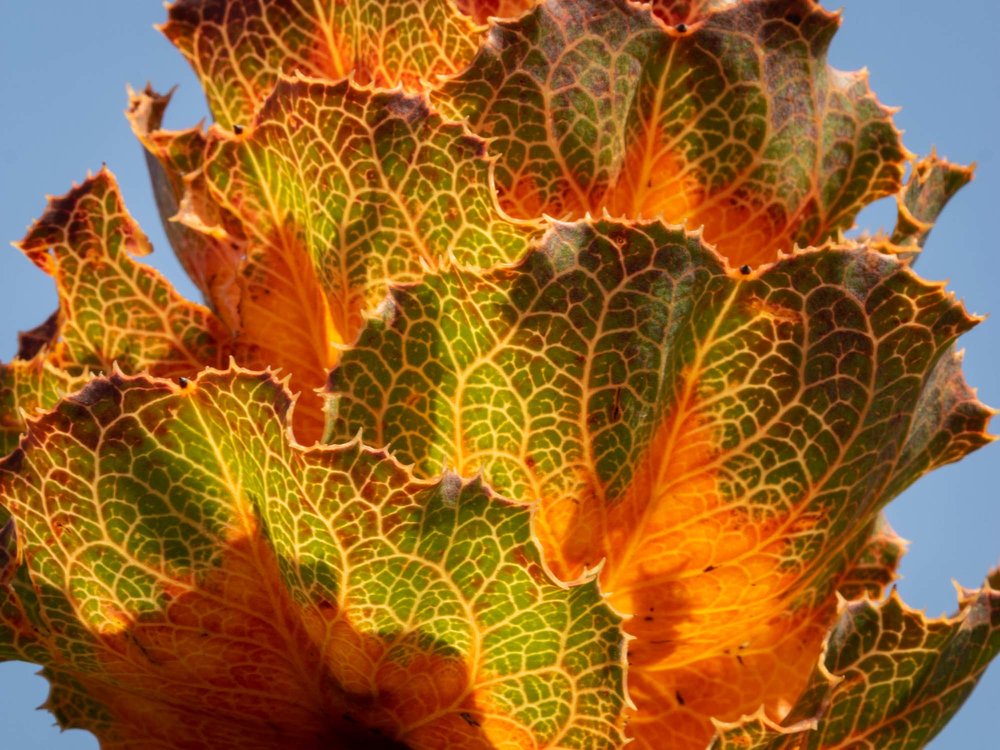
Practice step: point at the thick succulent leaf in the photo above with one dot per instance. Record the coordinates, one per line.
(723, 440)
(888, 678)
(736, 123)
(932, 184)
(193, 578)
(337, 190)
(239, 49)
(111, 308)
(174, 159)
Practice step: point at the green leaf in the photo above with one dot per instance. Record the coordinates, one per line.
(30, 382)
(239, 48)
(193, 578)
(736, 123)
(874, 567)
(371, 186)
(889, 678)
(25, 387)
(331, 192)
(111, 308)
(722, 440)
(932, 184)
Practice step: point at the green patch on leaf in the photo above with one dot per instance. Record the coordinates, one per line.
(193, 576)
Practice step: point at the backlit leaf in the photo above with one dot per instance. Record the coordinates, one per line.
(706, 423)
(874, 568)
(932, 184)
(335, 191)
(111, 308)
(482, 10)
(25, 387)
(736, 123)
(174, 159)
(722, 440)
(193, 578)
(239, 48)
(674, 12)
(34, 340)
(889, 678)
(30, 382)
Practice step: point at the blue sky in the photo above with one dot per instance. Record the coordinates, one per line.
(63, 70)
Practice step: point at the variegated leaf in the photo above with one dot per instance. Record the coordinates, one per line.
(192, 578)
(722, 440)
(239, 48)
(736, 123)
(932, 184)
(889, 678)
(175, 160)
(333, 191)
(26, 386)
(111, 308)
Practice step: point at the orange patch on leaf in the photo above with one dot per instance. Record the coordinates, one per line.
(524, 198)
(231, 659)
(331, 56)
(745, 231)
(482, 10)
(287, 323)
(697, 569)
(225, 646)
(700, 573)
(674, 704)
(657, 182)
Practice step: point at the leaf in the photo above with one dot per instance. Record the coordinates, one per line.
(25, 387)
(482, 10)
(949, 422)
(874, 569)
(736, 123)
(775, 659)
(932, 184)
(337, 190)
(31, 342)
(722, 440)
(674, 12)
(239, 49)
(174, 159)
(554, 90)
(888, 678)
(30, 382)
(111, 308)
(193, 578)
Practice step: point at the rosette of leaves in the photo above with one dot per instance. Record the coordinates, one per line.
(536, 399)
